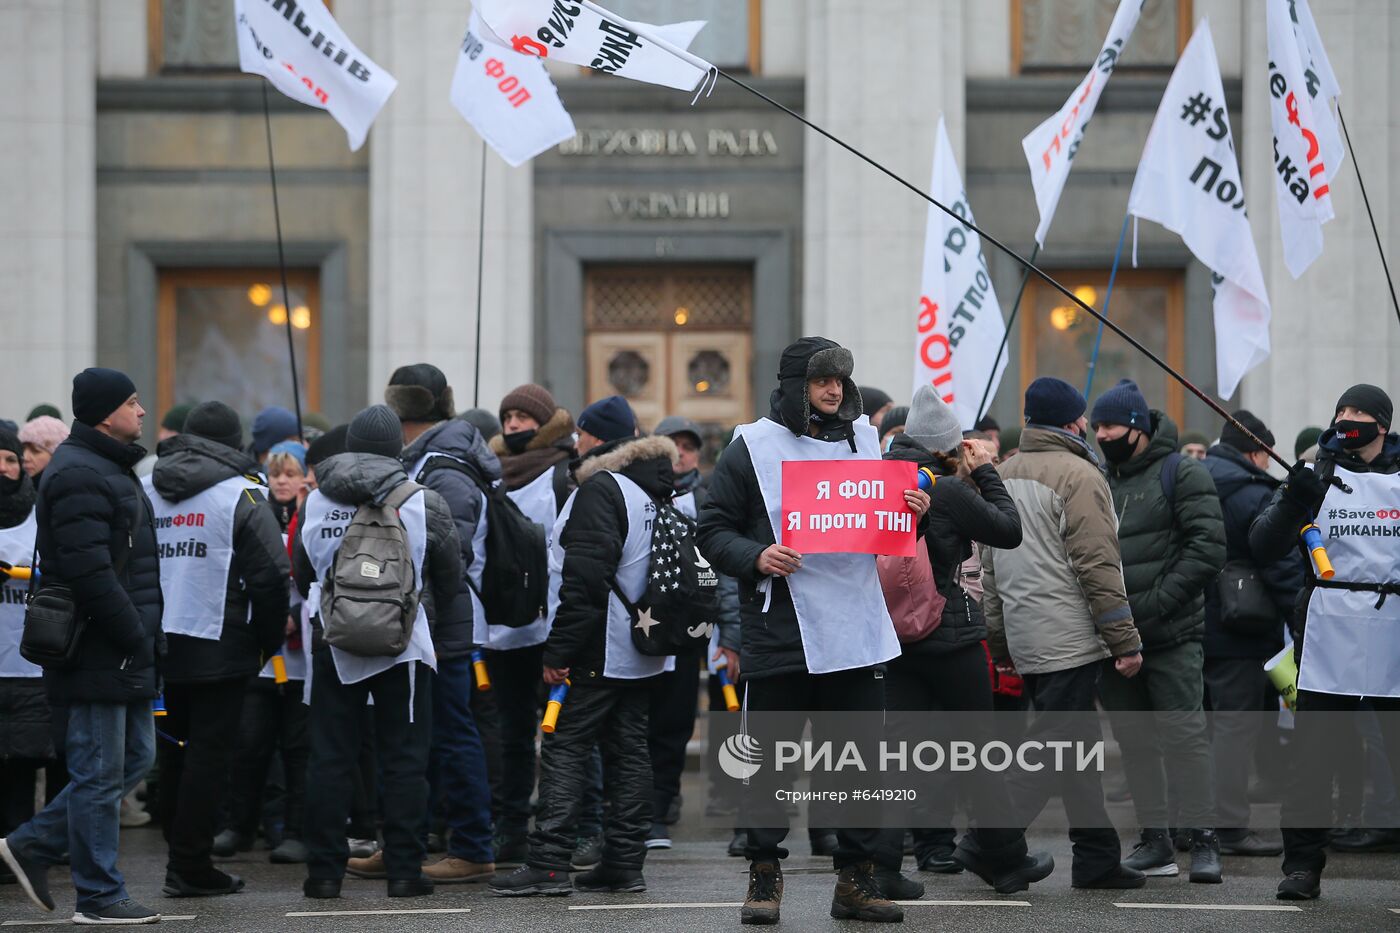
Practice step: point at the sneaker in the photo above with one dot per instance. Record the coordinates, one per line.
(1005, 879)
(940, 861)
(361, 848)
(608, 880)
(588, 852)
(858, 897)
(453, 870)
(1300, 886)
(512, 848)
(290, 852)
(231, 842)
(132, 814)
(895, 886)
(526, 881)
(122, 913)
(211, 883)
(33, 878)
(372, 868)
(1121, 878)
(1368, 840)
(1153, 856)
(659, 837)
(824, 843)
(739, 845)
(765, 897)
(1205, 857)
(1248, 843)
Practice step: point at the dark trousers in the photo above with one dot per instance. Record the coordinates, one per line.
(274, 720)
(952, 682)
(17, 783)
(1235, 691)
(336, 712)
(457, 765)
(858, 690)
(515, 679)
(488, 726)
(1064, 711)
(195, 777)
(675, 700)
(723, 790)
(612, 717)
(1315, 739)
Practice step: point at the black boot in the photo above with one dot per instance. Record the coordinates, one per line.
(1017, 875)
(606, 879)
(526, 881)
(1205, 857)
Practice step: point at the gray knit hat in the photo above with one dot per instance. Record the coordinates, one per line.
(932, 422)
(375, 430)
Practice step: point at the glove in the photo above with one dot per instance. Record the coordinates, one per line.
(1304, 488)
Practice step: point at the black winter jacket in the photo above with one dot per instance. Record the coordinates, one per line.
(92, 513)
(957, 516)
(353, 479)
(592, 540)
(259, 576)
(473, 463)
(1245, 491)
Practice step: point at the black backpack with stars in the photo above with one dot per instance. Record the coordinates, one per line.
(681, 604)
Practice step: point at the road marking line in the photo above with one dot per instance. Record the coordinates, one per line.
(654, 906)
(1141, 905)
(375, 913)
(964, 903)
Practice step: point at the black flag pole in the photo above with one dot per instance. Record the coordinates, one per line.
(480, 269)
(282, 263)
(1006, 335)
(1367, 201)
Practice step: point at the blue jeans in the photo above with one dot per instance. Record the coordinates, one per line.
(457, 765)
(110, 748)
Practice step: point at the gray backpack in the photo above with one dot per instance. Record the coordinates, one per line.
(370, 601)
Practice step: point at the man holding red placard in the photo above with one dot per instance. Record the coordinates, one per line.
(816, 632)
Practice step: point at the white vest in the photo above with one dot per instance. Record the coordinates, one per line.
(195, 540)
(16, 548)
(478, 548)
(1352, 648)
(621, 660)
(685, 504)
(536, 500)
(326, 521)
(837, 597)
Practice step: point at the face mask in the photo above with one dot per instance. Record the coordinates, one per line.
(1119, 450)
(517, 442)
(1357, 434)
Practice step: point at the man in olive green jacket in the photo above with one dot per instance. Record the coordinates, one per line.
(1173, 543)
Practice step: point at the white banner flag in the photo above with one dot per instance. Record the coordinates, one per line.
(960, 325)
(508, 98)
(1051, 147)
(300, 48)
(583, 33)
(1189, 182)
(1322, 87)
(1300, 169)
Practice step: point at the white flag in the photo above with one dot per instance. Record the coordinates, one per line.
(1189, 182)
(1322, 87)
(583, 33)
(1051, 147)
(301, 49)
(960, 325)
(508, 98)
(1300, 169)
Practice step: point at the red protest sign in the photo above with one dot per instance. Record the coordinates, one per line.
(848, 507)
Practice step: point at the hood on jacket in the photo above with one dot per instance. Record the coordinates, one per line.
(646, 461)
(355, 478)
(558, 431)
(1232, 472)
(904, 447)
(808, 358)
(1388, 461)
(1162, 442)
(190, 464)
(456, 439)
(1039, 438)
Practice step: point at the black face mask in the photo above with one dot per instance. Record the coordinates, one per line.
(1119, 450)
(517, 442)
(1357, 434)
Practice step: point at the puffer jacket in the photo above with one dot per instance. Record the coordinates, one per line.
(92, 512)
(353, 479)
(958, 515)
(259, 576)
(592, 540)
(1057, 601)
(460, 486)
(1171, 551)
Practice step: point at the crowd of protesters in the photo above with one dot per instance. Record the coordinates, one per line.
(303, 634)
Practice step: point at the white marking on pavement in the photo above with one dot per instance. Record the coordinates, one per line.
(700, 904)
(1273, 908)
(377, 913)
(964, 903)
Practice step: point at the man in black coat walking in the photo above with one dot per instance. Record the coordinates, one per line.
(97, 537)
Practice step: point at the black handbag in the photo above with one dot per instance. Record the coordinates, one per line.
(53, 626)
(1245, 605)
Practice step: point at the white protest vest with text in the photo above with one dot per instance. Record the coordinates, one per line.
(839, 603)
(536, 500)
(478, 547)
(326, 522)
(1351, 647)
(195, 540)
(16, 549)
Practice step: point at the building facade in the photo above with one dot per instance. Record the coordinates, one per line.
(669, 250)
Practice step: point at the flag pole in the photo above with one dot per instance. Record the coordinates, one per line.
(1031, 267)
(480, 269)
(1374, 232)
(1006, 334)
(282, 262)
(1108, 296)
